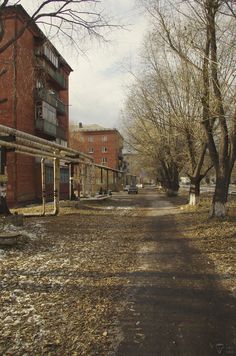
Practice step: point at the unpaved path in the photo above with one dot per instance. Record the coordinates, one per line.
(113, 279)
(177, 305)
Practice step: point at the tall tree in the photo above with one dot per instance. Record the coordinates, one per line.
(203, 35)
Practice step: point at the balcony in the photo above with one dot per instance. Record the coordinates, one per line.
(120, 155)
(46, 127)
(54, 74)
(50, 129)
(51, 99)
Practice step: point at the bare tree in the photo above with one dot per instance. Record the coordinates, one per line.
(149, 131)
(70, 18)
(200, 33)
(171, 109)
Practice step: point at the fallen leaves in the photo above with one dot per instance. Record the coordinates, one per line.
(63, 289)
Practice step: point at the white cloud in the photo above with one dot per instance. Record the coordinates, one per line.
(97, 84)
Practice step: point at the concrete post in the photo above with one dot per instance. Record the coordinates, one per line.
(56, 167)
(43, 175)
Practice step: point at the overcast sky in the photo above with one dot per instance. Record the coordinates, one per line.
(97, 84)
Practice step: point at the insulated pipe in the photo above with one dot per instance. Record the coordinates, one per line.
(37, 153)
(50, 155)
(24, 135)
(28, 149)
(43, 185)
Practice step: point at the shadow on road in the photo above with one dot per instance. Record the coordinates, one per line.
(177, 305)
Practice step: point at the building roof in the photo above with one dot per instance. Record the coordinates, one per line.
(19, 10)
(93, 127)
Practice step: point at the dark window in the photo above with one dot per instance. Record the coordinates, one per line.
(49, 175)
(64, 175)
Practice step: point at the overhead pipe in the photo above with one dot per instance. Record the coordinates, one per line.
(27, 149)
(38, 153)
(36, 139)
(38, 147)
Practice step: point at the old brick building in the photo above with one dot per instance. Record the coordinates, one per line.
(103, 144)
(36, 88)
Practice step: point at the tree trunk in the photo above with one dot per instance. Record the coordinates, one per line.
(172, 186)
(194, 191)
(219, 200)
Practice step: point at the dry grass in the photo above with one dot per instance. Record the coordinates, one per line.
(216, 238)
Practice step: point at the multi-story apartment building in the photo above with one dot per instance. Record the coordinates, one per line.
(36, 88)
(103, 144)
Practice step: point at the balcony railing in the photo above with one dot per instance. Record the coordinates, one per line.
(51, 99)
(51, 129)
(57, 76)
(120, 155)
(53, 73)
(46, 127)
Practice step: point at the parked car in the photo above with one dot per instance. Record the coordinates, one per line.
(126, 188)
(133, 189)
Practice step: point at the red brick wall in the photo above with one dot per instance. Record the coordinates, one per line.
(113, 144)
(64, 96)
(19, 111)
(6, 81)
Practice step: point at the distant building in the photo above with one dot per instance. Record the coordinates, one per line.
(36, 86)
(103, 144)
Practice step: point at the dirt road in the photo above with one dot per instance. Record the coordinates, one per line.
(113, 279)
(178, 307)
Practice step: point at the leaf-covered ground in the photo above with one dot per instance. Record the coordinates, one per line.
(215, 238)
(60, 293)
(66, 284)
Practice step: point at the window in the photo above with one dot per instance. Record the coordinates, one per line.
(90, 150)
(61, 142)
(50, 55)
(90, 138)
(104, 149)
(64, 175)
(104, 160)
(104, 138)
(49, 175)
